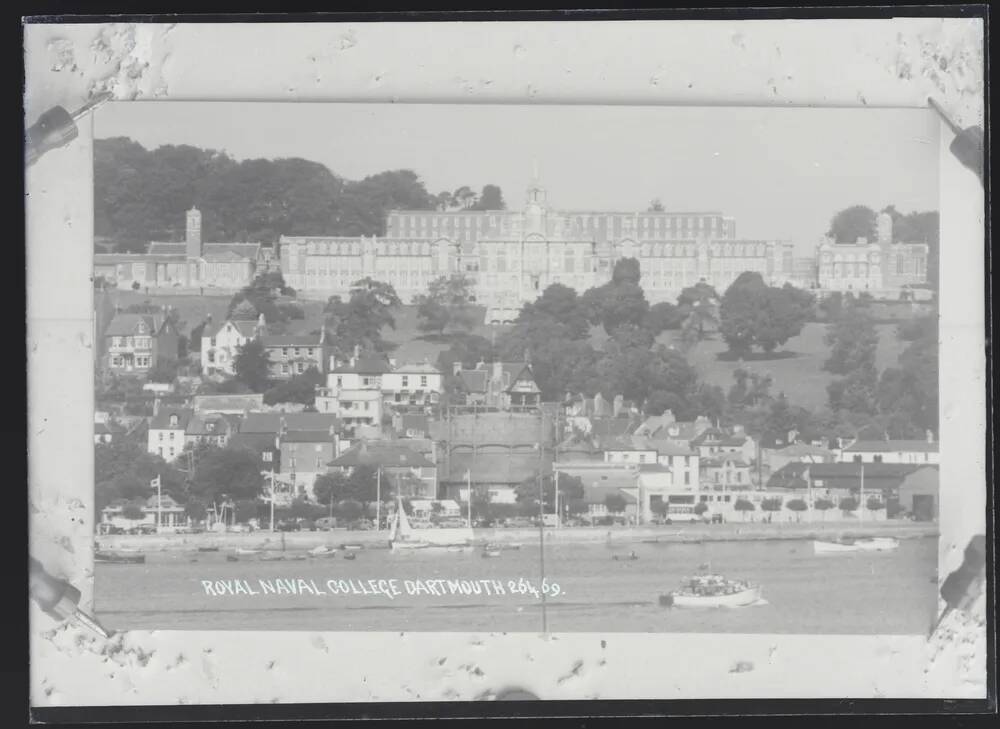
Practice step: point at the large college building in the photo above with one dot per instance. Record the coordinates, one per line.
(513, 255)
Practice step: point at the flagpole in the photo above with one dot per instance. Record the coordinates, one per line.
(272, 499)
(468, 475)
(159, 505)
(861, 493)
(378, 498)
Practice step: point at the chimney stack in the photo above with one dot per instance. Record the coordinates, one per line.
(456, 367)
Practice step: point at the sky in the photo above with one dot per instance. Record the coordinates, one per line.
(780, 172)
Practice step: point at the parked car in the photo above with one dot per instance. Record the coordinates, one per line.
(306, 525)
(717, 518)
(326, 523)
(360, 525)
(287, 525)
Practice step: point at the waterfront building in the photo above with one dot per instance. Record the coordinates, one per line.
(921, 452)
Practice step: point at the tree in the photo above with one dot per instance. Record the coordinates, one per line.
(227, 472)
(750, 389)
(655, 206)
(822, 506)
(771, 504)
(561, 304)
(874, 503)
(299, 389)
(700, 508)
(857, 221)
(432, 315)
(244, 311)
(464, 197)
(853, 342)
(360, 320)
(350, 510)
(744, 506)
(165, 371)
(362, 485)
(753, 314)
(491, 198)
(626, 270)
(662, 316)
(615, 503)
(616, 303)
(848, 504)
(251, 366)
(798, 506)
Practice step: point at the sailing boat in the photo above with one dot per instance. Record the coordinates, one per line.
(403, 537)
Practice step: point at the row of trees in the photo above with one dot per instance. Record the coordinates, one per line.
(142, 195)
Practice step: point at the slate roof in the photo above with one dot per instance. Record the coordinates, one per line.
(246, 328)
(243, 250)
(884, 446)
(387, 455)
(419, 368)
(200, 422)
(271, 422)
(308, 436)
(414, 421)
(291, 340)
(208, 403)
(124, 325)
(368, 364)
(161, 421)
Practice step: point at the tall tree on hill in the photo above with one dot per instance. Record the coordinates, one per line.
(464, 197)
(753, 314)
(491, 198)
(562, 304)
(366, 203)
(359, 321)
(853, 342)
(626, 271)
(919, 227)
(857, 221)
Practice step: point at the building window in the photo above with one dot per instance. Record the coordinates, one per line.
(877, 458)
(687, 478)
(857, 459)
(161, 435)
(340, 382)
(406, 381)
(284, 369)
(284, 351)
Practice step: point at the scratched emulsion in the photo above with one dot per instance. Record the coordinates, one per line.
(905, 61)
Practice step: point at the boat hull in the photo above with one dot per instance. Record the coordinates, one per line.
(877, 544)
(112, 558)
(742, 598)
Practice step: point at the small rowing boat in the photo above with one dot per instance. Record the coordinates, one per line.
(246, 552)
(491, 553)
(625, 557)
(208, 549)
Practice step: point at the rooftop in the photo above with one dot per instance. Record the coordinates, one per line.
(888, 446)
(384, 454)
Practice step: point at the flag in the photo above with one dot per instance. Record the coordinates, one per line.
(155, 483)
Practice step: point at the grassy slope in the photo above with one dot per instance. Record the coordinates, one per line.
(798, 370)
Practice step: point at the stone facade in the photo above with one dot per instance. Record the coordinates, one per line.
(878, 266)
(513, 255)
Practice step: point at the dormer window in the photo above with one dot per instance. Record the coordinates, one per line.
(173, 421)
(211, 427)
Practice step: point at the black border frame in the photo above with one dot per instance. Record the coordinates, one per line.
(964, 712)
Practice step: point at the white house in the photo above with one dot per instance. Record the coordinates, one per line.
(220, 344)
(917, 452)
(167, 432)
(414, 384)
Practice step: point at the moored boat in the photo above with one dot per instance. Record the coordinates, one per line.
(712, 591)
(625, 557)
(869, 544)
(242, 551)
(352, 547)
(119, 557)
(405, 538)
(350, 555)
(208, 549)
(491, 553)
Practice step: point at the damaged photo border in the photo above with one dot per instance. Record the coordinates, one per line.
(952, 279)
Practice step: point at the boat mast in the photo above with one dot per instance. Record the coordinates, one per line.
(861, 494)
(541, 512)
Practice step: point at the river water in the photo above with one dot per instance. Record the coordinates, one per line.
(854, 593)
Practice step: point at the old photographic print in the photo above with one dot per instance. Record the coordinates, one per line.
(365, 367)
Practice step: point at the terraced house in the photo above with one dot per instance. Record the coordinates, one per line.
(136, 343)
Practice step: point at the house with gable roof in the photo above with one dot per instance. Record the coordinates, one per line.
(220, 343)
(136, 343)
(499, 385)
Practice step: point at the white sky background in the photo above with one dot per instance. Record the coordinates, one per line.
(781, 172)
